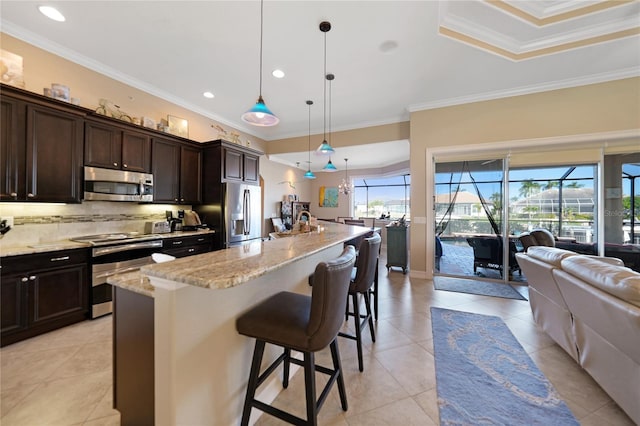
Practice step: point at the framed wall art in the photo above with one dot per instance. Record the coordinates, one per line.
(328, 196)
(178, 126)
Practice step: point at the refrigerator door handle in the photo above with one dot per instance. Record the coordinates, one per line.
(247, 207)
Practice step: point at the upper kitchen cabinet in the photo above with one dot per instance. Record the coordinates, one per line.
(113, 147)
(41, 148)
(176, 169)
(228, 162)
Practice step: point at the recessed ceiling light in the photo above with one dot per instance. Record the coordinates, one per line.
(52, 13)
(208, 95)
(278, 73)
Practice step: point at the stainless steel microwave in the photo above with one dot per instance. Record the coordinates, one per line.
(117, 185)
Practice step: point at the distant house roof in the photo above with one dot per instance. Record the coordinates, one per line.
(463, 197)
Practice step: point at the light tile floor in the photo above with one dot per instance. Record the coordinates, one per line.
(64, 377)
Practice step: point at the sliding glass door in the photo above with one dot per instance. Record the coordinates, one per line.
(469, 215)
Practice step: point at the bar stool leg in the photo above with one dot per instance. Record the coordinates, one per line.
(337, 366)
(253, 381)
(285, 372)
(367, 302)
(310, 388)
(375, 291)
(356, 316)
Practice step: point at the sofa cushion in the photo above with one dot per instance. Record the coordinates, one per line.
(618, 281)
(549, 255)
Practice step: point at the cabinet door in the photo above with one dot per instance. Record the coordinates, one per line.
(251, 171)
(136, 152)
(166, 171)
(54, 155)
(102, 146)
(57, 293)
(11, 150)
(190, 175)
(232, 166)
(13, 289)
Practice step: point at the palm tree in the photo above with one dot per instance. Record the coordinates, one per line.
(528, 188)
(551, 184)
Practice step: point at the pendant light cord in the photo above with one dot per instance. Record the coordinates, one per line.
(324, 83)
(261, 20)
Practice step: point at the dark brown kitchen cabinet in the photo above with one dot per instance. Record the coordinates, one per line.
(176, 169)
(109, 146)
(239, 166)
(41, 149)
(42, 292)
(188, 245)
(228, 162)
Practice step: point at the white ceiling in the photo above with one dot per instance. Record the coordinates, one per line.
(447, 53)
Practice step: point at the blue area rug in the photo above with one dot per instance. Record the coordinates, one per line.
(484, 288)
(484, 376)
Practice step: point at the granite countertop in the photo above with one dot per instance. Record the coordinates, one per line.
(47, 246)
(133, 281)
(237, 265)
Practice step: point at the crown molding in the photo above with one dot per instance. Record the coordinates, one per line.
(526, 90)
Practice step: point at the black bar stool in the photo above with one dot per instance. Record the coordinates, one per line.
(366, 267)
(301, 323)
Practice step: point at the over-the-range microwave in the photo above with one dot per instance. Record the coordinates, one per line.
(117, 185)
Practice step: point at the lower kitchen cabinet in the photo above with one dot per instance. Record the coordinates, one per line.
(42, 292)
(188, 245)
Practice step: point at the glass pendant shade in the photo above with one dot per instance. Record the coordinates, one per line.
(260, 115)
(329, 167)
(325, 149)
(309, 175)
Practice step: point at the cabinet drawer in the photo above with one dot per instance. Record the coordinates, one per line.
(53, 259)
(179, 242)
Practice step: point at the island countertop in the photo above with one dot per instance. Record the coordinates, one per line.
(237, 265)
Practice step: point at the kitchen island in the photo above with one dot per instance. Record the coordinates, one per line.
(177, 356)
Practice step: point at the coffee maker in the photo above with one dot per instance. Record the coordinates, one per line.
(175, 222)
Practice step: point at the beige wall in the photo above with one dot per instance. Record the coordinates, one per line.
(514, 123)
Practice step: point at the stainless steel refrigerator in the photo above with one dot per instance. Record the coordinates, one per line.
(237, 219)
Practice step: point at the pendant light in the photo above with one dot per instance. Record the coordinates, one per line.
(259, 114)
(345, 186)
(309, 174)
(329, 166)
(325, 148)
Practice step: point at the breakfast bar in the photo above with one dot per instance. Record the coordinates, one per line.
(177, 356)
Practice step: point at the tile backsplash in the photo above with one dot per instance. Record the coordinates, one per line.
(43, 223)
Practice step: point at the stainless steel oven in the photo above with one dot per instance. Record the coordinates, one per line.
(115, 254)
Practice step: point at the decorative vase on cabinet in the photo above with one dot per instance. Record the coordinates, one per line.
(397, 254)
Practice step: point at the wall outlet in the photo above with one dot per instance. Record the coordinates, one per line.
(9, 220)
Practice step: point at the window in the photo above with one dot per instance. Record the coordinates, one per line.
(374, 197)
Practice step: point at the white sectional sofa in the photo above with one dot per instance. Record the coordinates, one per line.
(591, 307)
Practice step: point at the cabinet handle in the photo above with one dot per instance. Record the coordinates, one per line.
(14, 194)
(32, 278)
(176, 243)
(200, 239)
(191, 250)
(30, 195)
(175, 199)
(115, 164)
(125, 166)
(57, 259)
(24, 279)
(182, 200)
